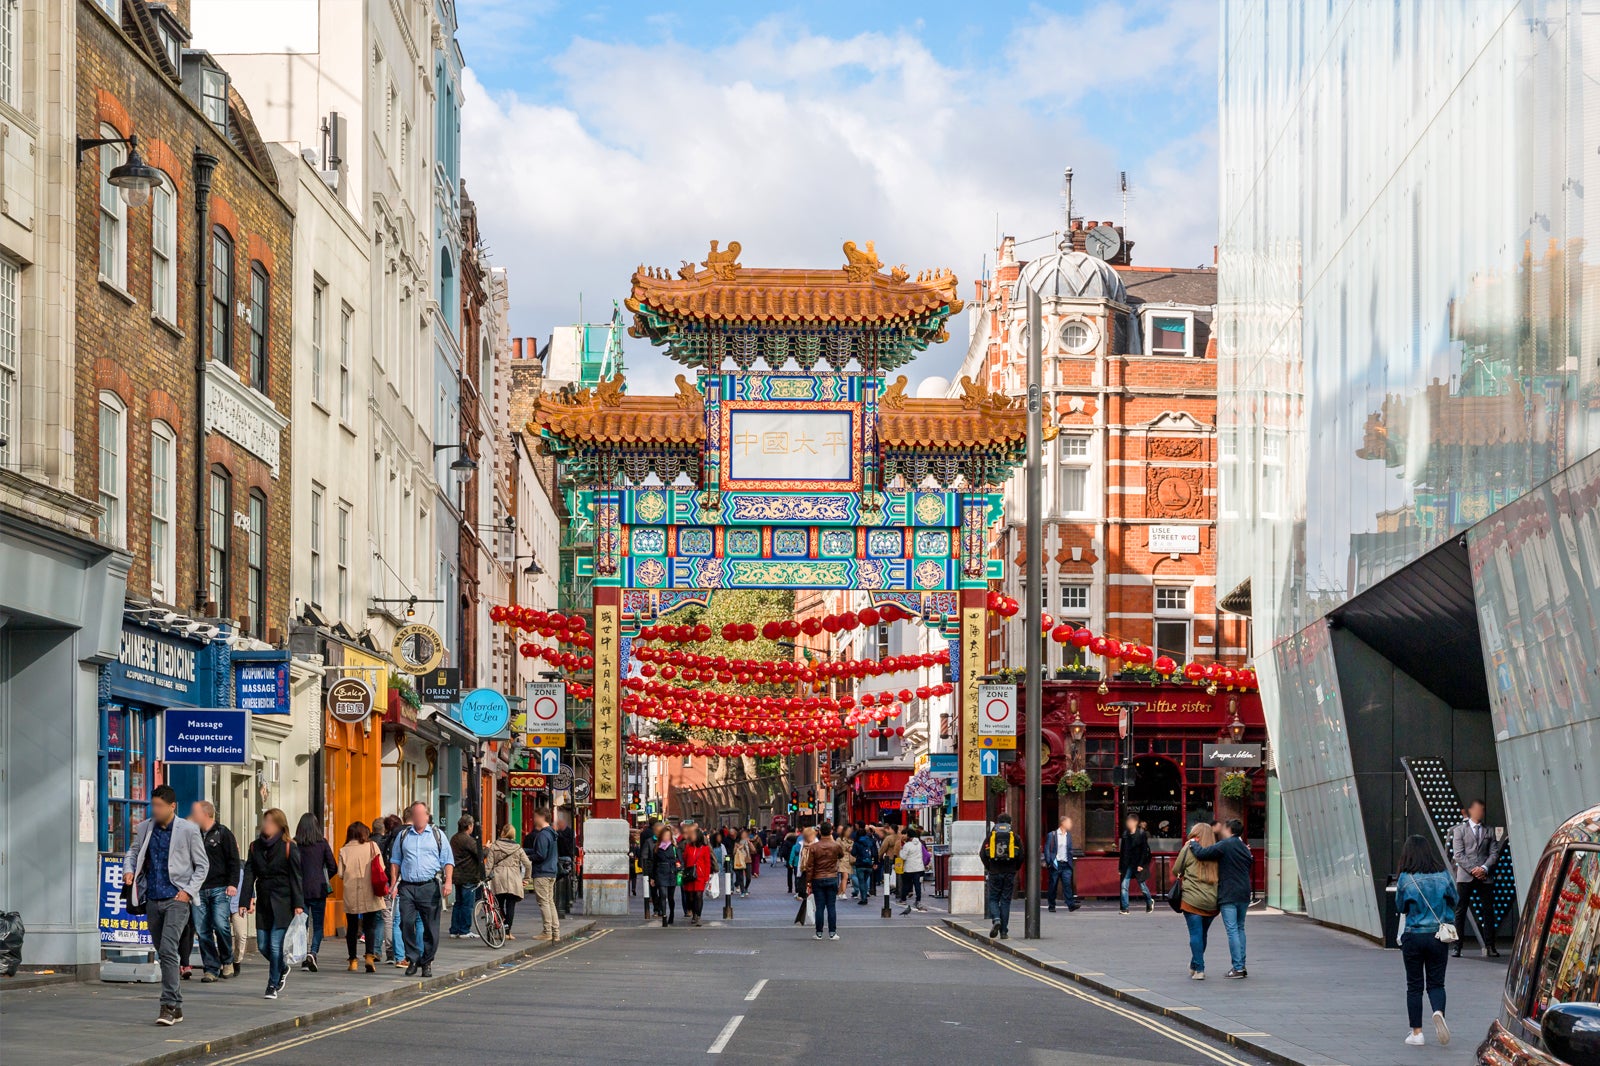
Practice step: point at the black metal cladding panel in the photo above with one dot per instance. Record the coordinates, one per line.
(1423, 619)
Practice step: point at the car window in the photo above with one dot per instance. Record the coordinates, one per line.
(1530, 934)
(1570, 969)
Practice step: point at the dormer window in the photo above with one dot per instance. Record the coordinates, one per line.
(1169, 333)
(206, 84)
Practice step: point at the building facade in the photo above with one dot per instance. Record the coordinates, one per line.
(1410, 411)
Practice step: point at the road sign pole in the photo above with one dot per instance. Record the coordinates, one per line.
(1032, 627)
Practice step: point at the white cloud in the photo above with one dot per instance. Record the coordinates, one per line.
(791, 143)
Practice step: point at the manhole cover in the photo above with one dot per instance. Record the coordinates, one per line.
(727, 951)
(940, 955)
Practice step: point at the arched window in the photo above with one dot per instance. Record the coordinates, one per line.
(164, 251)
(447, 289)
(221, 296)
(113, 221)
(259, 303)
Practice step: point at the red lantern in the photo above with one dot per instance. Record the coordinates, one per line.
(849, 620)
(1046, 623)
(769, 630)
(905, 695)
(869, 617)
(790, 628)
(1099, 646)
(1165, 666)
(1061, 633)
(1193, 671)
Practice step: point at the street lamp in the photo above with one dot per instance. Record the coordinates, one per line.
(133, 175)
(463, 464)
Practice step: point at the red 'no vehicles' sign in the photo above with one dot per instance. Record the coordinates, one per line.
(997, 710)
(547, 707)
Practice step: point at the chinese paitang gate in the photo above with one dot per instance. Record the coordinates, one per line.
(786, 461)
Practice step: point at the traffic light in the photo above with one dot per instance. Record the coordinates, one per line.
(811, 797)
(794, 801)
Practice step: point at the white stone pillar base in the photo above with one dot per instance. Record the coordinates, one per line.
(605, 866)
(966, 871)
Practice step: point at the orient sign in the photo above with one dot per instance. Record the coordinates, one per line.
(350, 700)
(418, 648)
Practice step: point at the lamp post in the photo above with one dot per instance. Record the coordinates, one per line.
(1032, 618)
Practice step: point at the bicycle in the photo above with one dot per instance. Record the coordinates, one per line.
(486, 919)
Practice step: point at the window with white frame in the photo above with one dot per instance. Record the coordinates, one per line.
(1172, 621)
(1074, 489)
(1169, 334)
(163, 513)
(214, 97)
(218, 586)
(319, 326)
(10, 51)
(316, 543)
(113, 218)
(1077, 337)
(164, 251)
(882, 742)
(1075, 601)
(1227, 470)
(113, 470)
(1172, 597)
(346, 340)
(10, 282)
(112, 8)
(1271, 475)
(342, 559)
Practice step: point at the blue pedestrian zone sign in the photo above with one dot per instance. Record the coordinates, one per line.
(549, 761)
(989, 762)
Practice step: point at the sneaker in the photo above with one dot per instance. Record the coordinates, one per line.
(833, 936)
(208, 978)
(469, 936)
(455, 936)
(272, 993)
(1005, 935)
(1236, 975)
(819, 936)
(1198, 975)
(1149, 905)
(1440, 1028)
(186, 972)
(1415, 1039)
(1123, 912)
(168, 1016)
(283, 979)
(311, 963)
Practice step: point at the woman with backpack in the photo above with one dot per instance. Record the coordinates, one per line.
(1199, 902)
(316, 866)
(1425, 896)
(916, 860)
(274, 889)
(359, 860)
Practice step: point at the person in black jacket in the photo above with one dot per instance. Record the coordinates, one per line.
(1133, 860)
(1002, 856)
(317, 865)
(274, 890)
(1233, 858)
(211, 918)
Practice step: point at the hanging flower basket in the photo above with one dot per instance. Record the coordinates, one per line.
(1236, 785)
(997, 785)
(1077, 781)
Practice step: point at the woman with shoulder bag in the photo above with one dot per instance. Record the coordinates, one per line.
(1199, 902)
(363, 897)
(1425, 896)
(274, 890)
(316, 866)
(696, 873)
(663, 865)
(509, 869)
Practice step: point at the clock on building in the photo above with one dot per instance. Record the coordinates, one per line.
(1103, 242)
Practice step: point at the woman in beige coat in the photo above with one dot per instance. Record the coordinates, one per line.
(363, 905)
(508, 868)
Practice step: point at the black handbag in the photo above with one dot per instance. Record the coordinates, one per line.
(136, 909)
(1175, 895)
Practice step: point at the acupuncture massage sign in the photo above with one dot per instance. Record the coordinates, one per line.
(205, 735)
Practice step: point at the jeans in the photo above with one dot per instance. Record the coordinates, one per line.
(826, 893)
(269, 942)
(1134, 878)
(1061, 874)
(420, 900)
(168, 919)
(1233, 922)
(316, 917)
(694, 902)
(911, 879)
(1199, 930)
(213, 929)
(1425, 957)
(665, 900)
(359, 925)
(861, 882)
(461, 910)
(381, 922)
(1000, 887)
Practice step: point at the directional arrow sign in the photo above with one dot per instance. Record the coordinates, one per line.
(989, 763)
(550, 761)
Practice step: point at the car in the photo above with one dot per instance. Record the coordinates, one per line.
(1548, 1014)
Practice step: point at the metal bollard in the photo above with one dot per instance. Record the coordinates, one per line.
(727, 892)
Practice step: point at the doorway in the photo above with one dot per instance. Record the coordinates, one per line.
(1156, 796)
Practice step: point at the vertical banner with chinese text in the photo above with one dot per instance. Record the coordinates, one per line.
(607, 724)
(972, 783)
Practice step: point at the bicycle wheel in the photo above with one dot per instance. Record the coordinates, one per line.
(486, 923)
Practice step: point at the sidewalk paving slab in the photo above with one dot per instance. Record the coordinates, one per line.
(1315, 996)
(113, 1024)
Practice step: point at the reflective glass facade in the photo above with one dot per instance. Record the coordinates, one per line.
(1409, 333)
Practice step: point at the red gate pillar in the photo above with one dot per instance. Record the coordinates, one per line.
(966, 835)
(605, 832)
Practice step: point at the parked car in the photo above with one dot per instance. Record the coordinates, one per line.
(1549, 1015)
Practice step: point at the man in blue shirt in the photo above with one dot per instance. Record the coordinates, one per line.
(166, 864)
(418, 857)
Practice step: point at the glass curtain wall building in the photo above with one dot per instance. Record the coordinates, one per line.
(1409, 393)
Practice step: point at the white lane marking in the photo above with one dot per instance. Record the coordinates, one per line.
(725, 1036)
(756, 991)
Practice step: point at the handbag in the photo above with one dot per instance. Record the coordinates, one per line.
(1175, 895)
(811, 909)
(714, 887)
(1446, 933)
(379, 876)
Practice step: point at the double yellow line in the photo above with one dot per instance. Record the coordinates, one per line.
(400, 1008)
(1131, 1014)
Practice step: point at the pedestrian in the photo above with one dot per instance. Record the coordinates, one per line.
(1474, 850)
(647, 840)
(212, 916)
(1424, 893)
(916, 857)
(743, 859)
(383, 946)
(545, 864)
(396, 952)
(808, 836)
(1058, 860)
(275, 890)
(237, 924)
(791, 859)
(847, 861)
(1001, 855)
(1133, 859)
(166, 866)
(468, 854)
(317, 864)
(363, 906)
(889, 859)
(566, 862)
(663, 866)
(421, 874)
(1233, 858)
(820, 864)
(697, 871)
(864, 852)
(1199, 900)
(509, 869)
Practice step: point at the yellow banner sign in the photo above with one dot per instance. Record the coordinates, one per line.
(997, 742)
(971, 667)
(607, 724)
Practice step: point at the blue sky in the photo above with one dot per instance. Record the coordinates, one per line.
(601, 136)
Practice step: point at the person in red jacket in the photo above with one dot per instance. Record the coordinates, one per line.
(696, 872)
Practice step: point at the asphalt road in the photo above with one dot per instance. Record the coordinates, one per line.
(759, 989)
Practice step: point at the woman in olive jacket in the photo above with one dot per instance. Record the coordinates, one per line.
(273, 889)
(1199, 895)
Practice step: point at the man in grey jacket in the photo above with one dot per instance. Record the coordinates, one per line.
(166, 864)
(1473, 853)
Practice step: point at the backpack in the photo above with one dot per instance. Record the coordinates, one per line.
(438, 843)
(996, 845)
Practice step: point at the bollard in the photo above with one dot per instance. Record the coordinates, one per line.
(888, 882)
(727, 893)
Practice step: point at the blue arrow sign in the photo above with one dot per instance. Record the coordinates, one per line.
(989, 762)
(550, 761)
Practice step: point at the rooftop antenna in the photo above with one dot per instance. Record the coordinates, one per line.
(1124, 201)
(1066, 196)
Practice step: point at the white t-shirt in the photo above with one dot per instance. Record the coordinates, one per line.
(1061, 847)
(911, 852)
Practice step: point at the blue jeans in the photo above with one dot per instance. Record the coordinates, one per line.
(270, 943)
(461, 910)
(1133, 878)
(1199, 929)
(861, 882)
(1061, 874)
(213, 929)
(826, 893)
(316, 914)
(1233, 922)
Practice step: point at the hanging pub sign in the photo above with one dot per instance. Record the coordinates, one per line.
(350, 700)
(418, 648)
(485, 712)
(1230, 754)
(442, 685)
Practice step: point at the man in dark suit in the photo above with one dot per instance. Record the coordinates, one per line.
(1473, 853)
(1058, 860)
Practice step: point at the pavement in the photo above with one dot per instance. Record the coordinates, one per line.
(108, 1024)
(1315, 996)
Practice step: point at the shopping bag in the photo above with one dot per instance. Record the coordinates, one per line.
(811, 909)
(294, 940)
(714, 886)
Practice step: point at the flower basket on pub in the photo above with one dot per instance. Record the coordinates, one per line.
(1075, 782)
(1236, 784)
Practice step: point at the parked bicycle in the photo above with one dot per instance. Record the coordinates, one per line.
(486, 919)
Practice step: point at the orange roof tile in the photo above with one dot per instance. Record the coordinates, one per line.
(605, 415)
(978, 418)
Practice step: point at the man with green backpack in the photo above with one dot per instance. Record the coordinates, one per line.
(1001, 855)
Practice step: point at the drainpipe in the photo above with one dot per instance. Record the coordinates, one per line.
(204, 164)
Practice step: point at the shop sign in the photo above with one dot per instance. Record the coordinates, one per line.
(485, 712)
(943, 764)
(1230, 754)
(418, 648)
(1182, 540)
(117, 926)
(526, 781)
(205, 735)
(441, 686)
(262, 688)
(349, 700)
(159, 668)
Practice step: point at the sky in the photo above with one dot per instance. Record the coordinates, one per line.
(598, 136)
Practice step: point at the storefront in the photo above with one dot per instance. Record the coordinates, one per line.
(875, 795)
(1176, 736)
(352, 752)
(410, 757)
